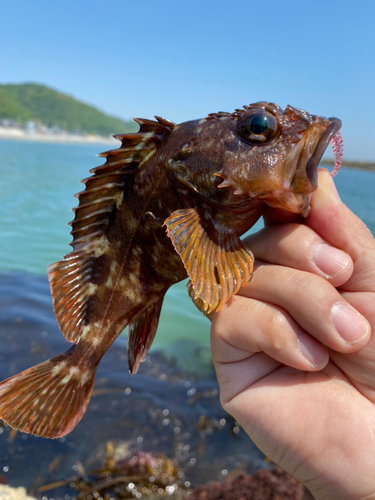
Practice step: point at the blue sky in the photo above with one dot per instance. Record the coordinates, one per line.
(182, 60)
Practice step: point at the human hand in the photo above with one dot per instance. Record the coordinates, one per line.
(304, 393)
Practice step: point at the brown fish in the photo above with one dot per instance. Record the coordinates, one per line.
(170, 202)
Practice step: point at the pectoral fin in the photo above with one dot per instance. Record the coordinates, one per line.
(199, 304)
(216, 260)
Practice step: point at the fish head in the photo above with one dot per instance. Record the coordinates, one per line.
(273, 155)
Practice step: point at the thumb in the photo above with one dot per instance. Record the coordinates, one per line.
(336, 224)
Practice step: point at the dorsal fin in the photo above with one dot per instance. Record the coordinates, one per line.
(70, 278)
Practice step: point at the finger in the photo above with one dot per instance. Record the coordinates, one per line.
(313, 303)
(299, 247)
(336, 224)
(273, 216)
(248, 326)
(359, 366)
(233, 378)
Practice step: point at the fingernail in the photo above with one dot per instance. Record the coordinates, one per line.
(311, 350)
(350, 325)
(329, 260)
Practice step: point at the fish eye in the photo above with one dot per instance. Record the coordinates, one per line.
(258, 126)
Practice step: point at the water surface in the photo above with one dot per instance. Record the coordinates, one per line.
(38, 182)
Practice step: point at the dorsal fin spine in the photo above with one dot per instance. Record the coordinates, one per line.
(107, 166)
(85, 228)
(107, 186)
(98, 202)
(167, 124)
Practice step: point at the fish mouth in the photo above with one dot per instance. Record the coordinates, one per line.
(313, 163)
(305, 180)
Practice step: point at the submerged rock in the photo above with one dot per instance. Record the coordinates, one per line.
(263, 485)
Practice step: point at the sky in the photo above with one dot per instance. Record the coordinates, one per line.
(185, 59)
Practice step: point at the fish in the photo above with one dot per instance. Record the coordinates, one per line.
(171, 202)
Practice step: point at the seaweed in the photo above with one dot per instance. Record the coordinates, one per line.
(137, 475)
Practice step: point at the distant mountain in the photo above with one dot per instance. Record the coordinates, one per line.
(30, 101)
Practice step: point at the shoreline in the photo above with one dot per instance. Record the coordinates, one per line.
(363, 165)
(16, 134)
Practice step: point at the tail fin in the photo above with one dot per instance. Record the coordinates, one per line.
(48, 399)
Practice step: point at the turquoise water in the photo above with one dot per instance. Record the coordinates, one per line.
(38, 182)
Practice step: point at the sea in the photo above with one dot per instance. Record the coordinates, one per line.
(175, 406)
(38, 182)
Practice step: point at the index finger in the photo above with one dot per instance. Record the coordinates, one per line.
(273, 216)
(340, 227)
(335, 223)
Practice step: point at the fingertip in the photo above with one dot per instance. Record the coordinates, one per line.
(273, 216)
(326, 192)
(333, 263)
(353, 328)
(312, 351)
(327, 212)
(324, 195)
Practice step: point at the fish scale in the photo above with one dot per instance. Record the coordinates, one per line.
(172, 201)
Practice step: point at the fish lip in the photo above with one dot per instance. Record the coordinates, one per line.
(313, 163)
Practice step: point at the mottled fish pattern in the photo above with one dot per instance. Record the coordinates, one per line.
(171, 202)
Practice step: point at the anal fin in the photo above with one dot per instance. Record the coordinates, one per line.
(142, 330)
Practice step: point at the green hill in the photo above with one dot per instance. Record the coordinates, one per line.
(30, 101)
